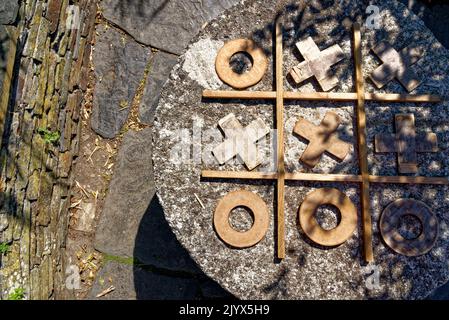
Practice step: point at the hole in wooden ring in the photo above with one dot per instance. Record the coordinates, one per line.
(409, 226)
(241, 62)
(328, 216)
(241, 219)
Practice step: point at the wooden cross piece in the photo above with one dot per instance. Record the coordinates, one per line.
(240, 141)
(396, 65)
(322, 138)
(317, 63)
(280, 176)
(406, 143)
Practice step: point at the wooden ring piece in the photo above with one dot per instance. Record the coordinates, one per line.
(247, 79)
(314, 231)
(253, 202)
(389, 222)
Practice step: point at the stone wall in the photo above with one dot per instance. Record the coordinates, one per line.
(41, 123)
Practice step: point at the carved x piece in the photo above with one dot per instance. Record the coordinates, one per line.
(317, 63)
(240, 141)
(396, 65)
(406, 143)
(322, 138)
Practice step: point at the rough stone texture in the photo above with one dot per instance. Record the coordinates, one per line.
(8, 48)
(119, 67)
(128, 197)
(36, 174)
(199, 63)
(8, 11)
(164, 24)
(161, 66)
(441, 293)
(131, 219)
(432, 13)
(308, 271)
(4, 48)
(132, 283)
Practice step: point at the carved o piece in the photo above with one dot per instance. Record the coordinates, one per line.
(253, 202)
(409, 247)
(247, 79)
(314, 231)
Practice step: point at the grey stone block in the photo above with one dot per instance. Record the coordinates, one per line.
(8, 11)
(132, 222)
(119, 67)
(159, 72)
(164, 24)
(131, 282)
(130, 193)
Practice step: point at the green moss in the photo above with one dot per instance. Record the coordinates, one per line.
(123, 260)
(49, 136)
(4, 248)
(17, 294)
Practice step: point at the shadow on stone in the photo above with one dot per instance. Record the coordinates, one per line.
(164, 269)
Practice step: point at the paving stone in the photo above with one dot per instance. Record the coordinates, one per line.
(132, 216)
(160, 70)
(131, 283)
(119, 67)
(8, 11)
(164, 24)
(128, 197)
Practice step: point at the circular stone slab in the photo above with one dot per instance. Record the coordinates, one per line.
(309, 271)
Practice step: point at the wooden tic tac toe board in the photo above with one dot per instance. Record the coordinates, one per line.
(323, 138)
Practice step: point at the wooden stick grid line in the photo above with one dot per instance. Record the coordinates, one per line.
(364, 179)
(362, 149)
(280, 143)
(321, 96)
(317, 177)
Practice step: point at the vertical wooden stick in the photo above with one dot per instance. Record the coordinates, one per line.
(363, 157)
(280, 143)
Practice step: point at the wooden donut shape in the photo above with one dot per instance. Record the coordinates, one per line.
(389, 222)
(253, 202)
(314, 231)
(247, 79)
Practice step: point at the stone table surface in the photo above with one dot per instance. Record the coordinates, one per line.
(309, 271)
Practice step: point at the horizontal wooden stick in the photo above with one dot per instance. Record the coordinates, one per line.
(322, 177)
(239, 175)
(331, 96)
(409, 180)
(317, 177)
